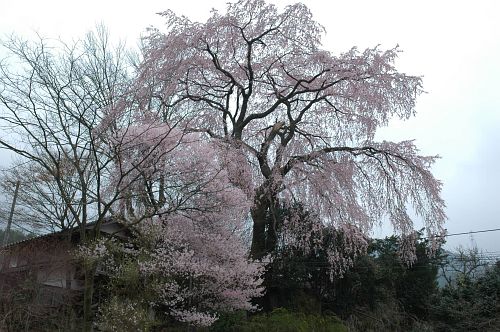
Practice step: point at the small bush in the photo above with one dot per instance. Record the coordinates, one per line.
(122, 315)
(279, 320)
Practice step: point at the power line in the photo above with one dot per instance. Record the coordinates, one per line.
(471, 232)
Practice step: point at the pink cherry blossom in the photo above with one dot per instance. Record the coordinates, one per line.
(302, 119)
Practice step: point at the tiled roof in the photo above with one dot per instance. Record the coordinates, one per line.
(43, 236)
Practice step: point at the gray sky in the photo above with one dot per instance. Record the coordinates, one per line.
(454, 45)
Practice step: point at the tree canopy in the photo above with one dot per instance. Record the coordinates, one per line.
(300, 121)
(240, 120)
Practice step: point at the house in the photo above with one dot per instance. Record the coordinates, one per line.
(40, 278)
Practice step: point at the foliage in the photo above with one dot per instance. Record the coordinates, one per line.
(381, 292)
(190, 263)
(192, 255)
(28, 306)
(380, 284)
(280, 320)
(387, 316)
(301, 269)
(469, 304)
(55, 99)
(242, 114)
(463, 263)
(413, 285)
(299, 122)
(123, 315)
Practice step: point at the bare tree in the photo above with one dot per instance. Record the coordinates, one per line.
(39, 207)
(464, 264)
(64, 112)
(52, 103)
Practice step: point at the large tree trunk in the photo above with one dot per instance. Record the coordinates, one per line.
(259, 212)
(267, 219)
(266, 222)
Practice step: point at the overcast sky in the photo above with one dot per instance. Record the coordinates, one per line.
(454, 45)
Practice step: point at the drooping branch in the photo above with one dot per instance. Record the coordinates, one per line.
(304, 118)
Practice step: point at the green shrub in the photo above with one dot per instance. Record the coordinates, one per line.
(279, 320)
(124, 315)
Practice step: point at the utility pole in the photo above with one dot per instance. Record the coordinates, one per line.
(9, 222)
